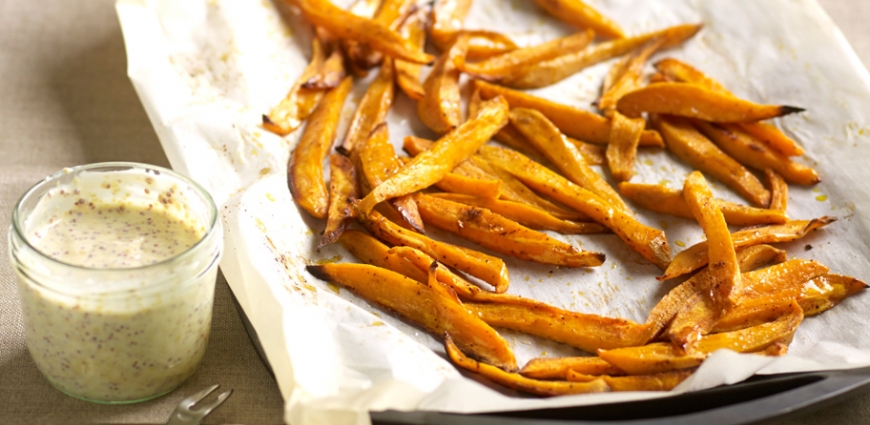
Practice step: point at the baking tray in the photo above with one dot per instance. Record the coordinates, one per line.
(759, 398)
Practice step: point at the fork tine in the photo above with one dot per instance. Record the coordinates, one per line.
(196, 397)
(205, 410)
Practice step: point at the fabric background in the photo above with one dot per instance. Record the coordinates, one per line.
(65, 100)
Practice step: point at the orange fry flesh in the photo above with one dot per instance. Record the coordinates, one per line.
(548, 140)
(346, 25)
(626, 75)
(663, 200)
(431, 166)
(587, 332)
(724, 271)
(390, 14)
(421, 304)
(408, 73)
(577, 123)
(371, 251)
(750, 152)
(748, 259)
(773, 137)
(295, 108)
(824, 292)
(371, 110)
(330, 73)
(621, 151)
(692, 147)
(487, 268)
(305, 173)
(558, 368)
(500, 234)
(505, 65)
(518, 382)
(342, 193)
(464, 185)
(701, 313)
(439, 108)
(664, 357)
(695, 257)
(557, 69)
(778, 191)
(378, 161)
(526, 215)
(664, 381)
(581, 15)
(648, 242)
(511, 188)
(693, 101)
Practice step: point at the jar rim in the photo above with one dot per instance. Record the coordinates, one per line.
(119, 166)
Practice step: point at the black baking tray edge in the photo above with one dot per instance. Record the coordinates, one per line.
(756, 399)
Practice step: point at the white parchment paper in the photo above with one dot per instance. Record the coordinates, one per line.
(206, 70)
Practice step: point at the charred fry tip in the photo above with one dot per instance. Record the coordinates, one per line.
(786, 110)
(433, 267)
(342, 150)
(318, 271)
(267, 120)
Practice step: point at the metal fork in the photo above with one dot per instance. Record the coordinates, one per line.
(184, 415)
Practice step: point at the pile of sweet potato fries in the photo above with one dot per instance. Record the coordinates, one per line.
(743, 295)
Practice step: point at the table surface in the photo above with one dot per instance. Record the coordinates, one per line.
(65, 100)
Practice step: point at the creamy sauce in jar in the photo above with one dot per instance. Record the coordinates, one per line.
(132, 332)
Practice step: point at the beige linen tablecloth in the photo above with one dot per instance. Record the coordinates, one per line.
(65, 100)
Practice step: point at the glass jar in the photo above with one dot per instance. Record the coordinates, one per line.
(109, 317)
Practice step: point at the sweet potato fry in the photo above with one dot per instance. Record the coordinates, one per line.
(557, 69)
(422, 262)
(408, 73)
(626, 75)
(577, 123)
(500, 234)
(663, 200)
(504, 66)
(778, 191)
(664, 357)
(295, 108)
(508, 135)
(648, 242)
(446, 26)
(371, 251)
(773, 137)
(776, 349)
(581, 15)
(548, 140)
(511, 188)
(378, 162)
(305, 171)
(664, 381)
(744, 148)
(371, 110)
(815, 296)
(824, 292)
(723, 268)
(461, 184)
(342, 193)
(559, 367)
(346, 25)
(587, 332)
(701, 312)
(677, 71)
(330, 73)
(421, 304)
(695, 257)
(518, 382)
(431, 166)
(439, 108)
(526, 215)
(748, 259)
(693, 101)
(487, 268)
(621, 151)
(390, 14)
(691, 146)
